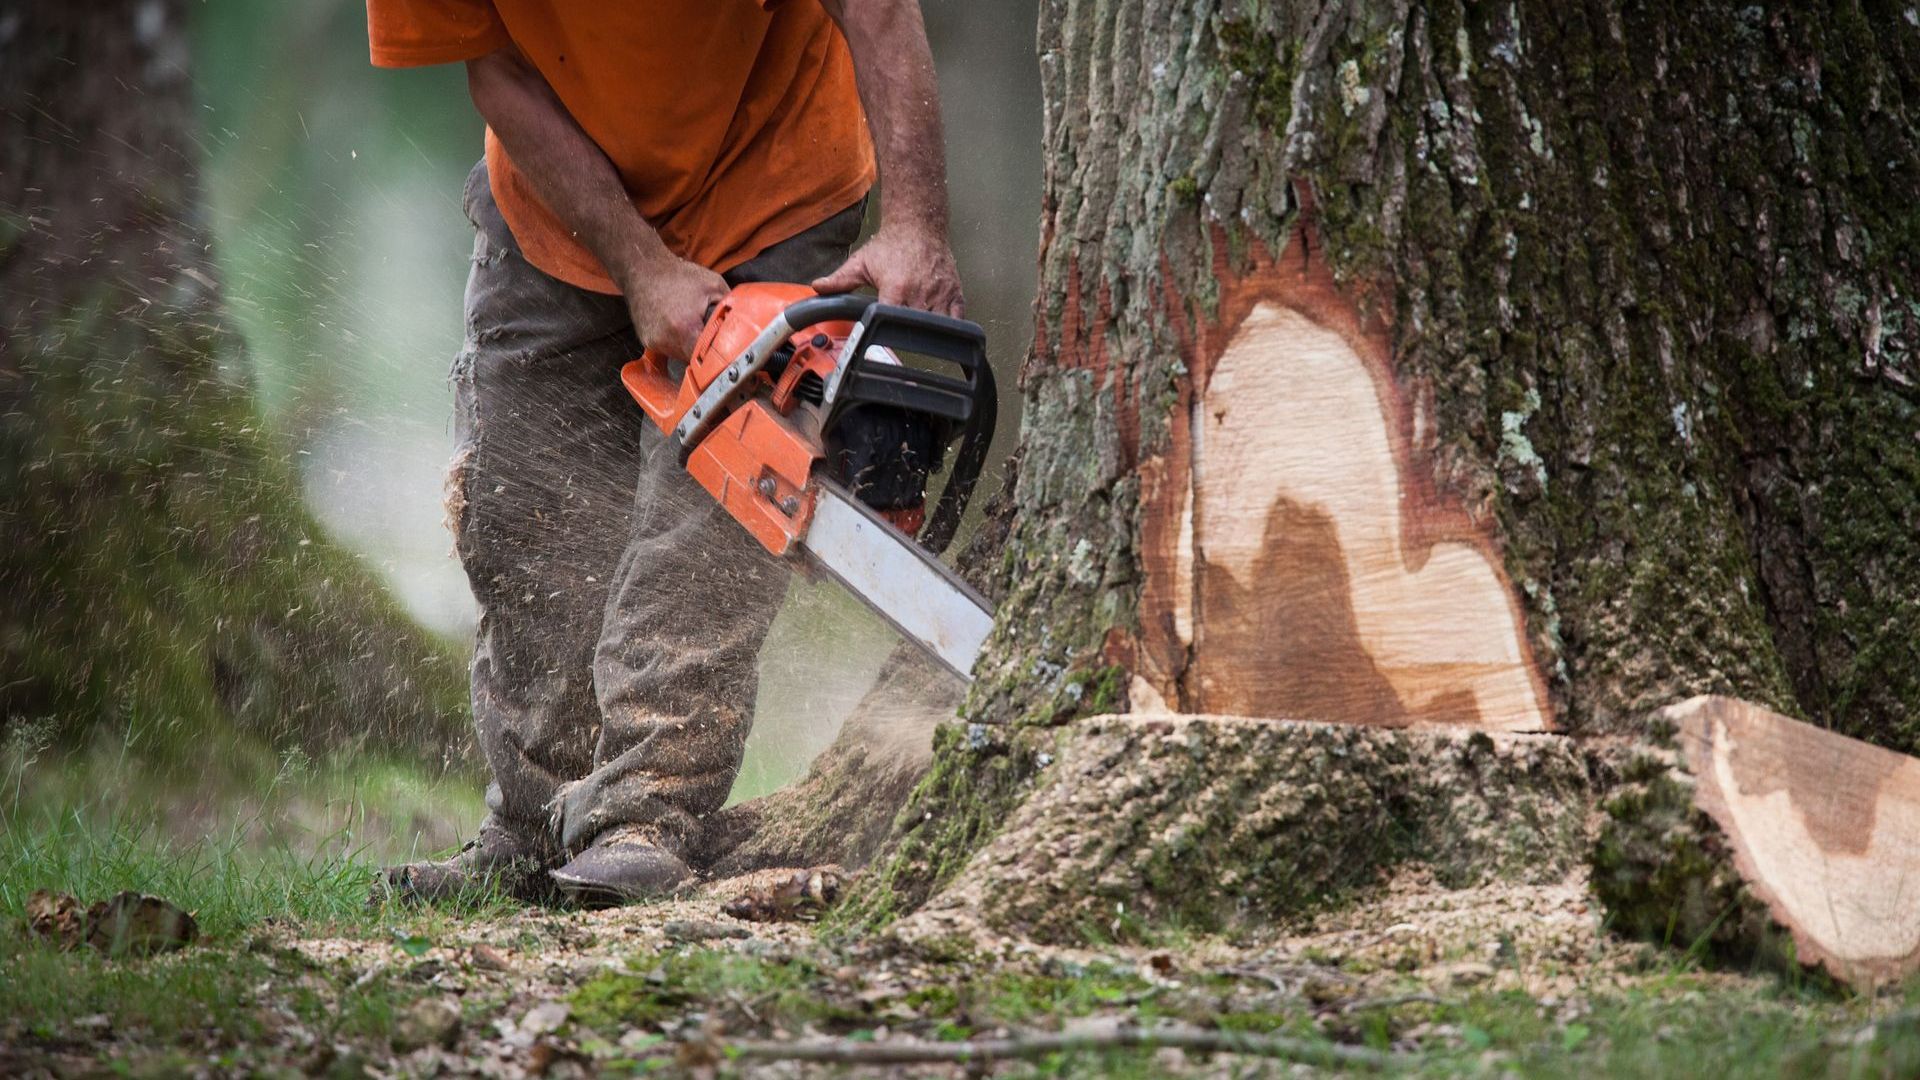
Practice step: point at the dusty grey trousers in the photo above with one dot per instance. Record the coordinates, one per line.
(621, 611)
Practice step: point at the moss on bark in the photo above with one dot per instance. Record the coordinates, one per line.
(1648, 272)
(1662, 869)
(979, 775)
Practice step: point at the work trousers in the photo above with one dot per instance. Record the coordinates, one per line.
(620, 609)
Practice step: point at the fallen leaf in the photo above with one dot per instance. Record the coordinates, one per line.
(701, 930)
(801, 895)
(541, 1056)
(486, 958)
(55, 917)
(424, 972)
(427, 1022)
(1464, 973)
(412, 944)
(134, 924)
(545, 1017)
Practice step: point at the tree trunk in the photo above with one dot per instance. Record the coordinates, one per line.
(1512, 367)
(161, 575)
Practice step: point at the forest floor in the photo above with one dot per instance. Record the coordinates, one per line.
(294, 975)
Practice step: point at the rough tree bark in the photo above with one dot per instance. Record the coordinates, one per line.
(1413, 363)
(160, 573)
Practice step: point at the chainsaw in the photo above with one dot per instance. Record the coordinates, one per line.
(798, 415)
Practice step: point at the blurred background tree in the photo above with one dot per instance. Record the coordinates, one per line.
(166, 587)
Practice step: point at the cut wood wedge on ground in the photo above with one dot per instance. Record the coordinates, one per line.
(1762, 834)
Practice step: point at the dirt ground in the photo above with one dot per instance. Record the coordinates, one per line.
(1498, 980)
(670, 985)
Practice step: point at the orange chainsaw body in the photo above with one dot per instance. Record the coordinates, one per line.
(797, 414)
(758, 460)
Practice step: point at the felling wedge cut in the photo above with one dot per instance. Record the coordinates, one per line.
(1301, 559)
(1766, 835)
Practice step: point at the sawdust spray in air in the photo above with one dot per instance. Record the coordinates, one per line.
(822, 665)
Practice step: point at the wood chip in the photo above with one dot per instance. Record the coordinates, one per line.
(801, 895)
(127, 924)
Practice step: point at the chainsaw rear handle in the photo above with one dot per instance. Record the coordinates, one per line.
(651, 381)
(970, 400)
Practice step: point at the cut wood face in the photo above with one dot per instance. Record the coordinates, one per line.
(1299, 564)
(1824, 829)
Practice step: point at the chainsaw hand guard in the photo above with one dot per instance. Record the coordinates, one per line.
(968, 402)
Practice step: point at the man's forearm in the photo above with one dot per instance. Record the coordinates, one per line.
(908, 261)
(894, 69)
(571, 175)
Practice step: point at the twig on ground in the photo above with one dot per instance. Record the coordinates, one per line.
(843, 1051)
(1390, 932)
(1395, 1001)
(1256, 975)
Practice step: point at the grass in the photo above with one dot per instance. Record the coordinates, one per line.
(297, 848)
(225, 884)
(206, 998)
(225, 1004)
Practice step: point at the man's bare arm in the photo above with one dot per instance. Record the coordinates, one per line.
(667, 295)
(908, 259)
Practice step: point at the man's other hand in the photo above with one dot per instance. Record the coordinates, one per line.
(669, 301)
(912, 267)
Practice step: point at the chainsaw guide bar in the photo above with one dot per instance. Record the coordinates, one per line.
(901, 581)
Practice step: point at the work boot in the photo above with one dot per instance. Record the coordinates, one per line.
(623, 864)
(497, 859)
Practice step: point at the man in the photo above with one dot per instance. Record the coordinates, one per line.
(641, 158)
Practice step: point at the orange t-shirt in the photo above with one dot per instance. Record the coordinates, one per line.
(734, 124)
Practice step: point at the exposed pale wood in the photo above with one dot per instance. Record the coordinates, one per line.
(1301, 563)
(1825, 830)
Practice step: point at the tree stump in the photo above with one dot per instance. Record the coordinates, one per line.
(1421, 366)
(1214, 823)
